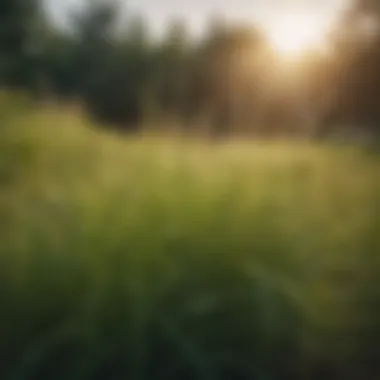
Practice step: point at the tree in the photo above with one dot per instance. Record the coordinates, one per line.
(357, 51)
(171, 66)
(97, 62)
(21, 41)
(226, 82)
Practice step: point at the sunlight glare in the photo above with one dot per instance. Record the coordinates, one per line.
(294, 34)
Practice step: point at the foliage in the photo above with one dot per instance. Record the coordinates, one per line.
(229, 80)
(21, 42)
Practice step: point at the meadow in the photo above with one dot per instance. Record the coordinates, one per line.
(150, 257)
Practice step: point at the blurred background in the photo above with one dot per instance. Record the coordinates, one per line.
(189, 189)
(304, 68)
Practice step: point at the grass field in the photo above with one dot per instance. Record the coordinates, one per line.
(155, 258)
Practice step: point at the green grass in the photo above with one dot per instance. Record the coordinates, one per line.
(157, 258)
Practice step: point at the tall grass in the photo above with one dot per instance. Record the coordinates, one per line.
(149, 258)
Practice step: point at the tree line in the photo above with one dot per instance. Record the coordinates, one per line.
(228, 81)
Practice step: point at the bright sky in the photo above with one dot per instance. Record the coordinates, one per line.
(197, 12)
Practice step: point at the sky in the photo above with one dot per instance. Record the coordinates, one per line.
(197, 12)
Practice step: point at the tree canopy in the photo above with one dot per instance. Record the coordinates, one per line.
(229, 78)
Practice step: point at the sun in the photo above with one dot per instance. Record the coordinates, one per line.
(294, 34)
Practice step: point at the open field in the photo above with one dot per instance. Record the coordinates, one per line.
(154, 258)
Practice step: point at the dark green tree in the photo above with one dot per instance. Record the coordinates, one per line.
(21, 42)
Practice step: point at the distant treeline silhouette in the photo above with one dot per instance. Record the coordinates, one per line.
(229, 81)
